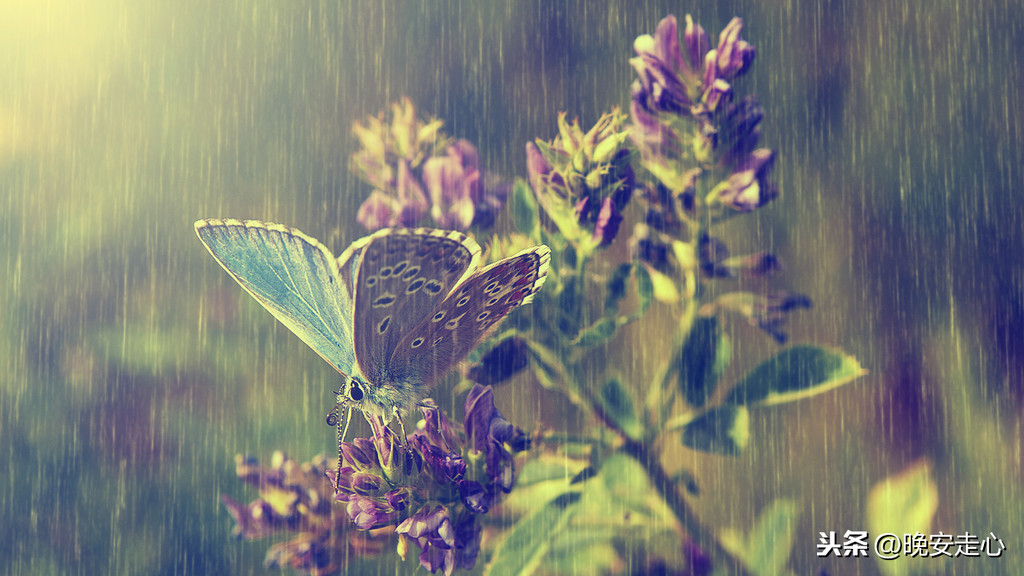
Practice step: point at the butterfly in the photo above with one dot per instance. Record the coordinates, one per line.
(393, 314)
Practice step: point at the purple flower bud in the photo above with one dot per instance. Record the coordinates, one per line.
(748, 186)
(711, 252)
(719, 94)
(367, 513)
(479, 413)
(474, 496)
(769, 313)
(536, 165)
(377, 211)
(357, 456)
(467, 542)
(734, 54)
(438, 559)
(366, 484)
(387, 449)
(424, 523)
(608, 221)
(412, 203)
(451, 184)
(697, 44)
(399, 498)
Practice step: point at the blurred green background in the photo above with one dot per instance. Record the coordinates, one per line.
(135, 368)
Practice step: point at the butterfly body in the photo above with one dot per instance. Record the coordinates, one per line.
(393, 314)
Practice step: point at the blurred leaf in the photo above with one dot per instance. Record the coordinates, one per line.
(904, 504)
(766, 550)
(663, 288)
(696, 360)
(596, 333)
(771, 541)
(723, 430)
(551, 372)
(799, 372)
(644, 287)
(529, 540)
(616, 287)
(524, 209)
(617, 402)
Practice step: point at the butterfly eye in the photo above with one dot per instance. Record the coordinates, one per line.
(355, 392)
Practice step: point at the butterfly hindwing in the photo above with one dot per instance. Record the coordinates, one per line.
(293, 276)
(472, 310)
(401, 277)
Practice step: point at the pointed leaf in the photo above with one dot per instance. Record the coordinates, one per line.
(616, 287)
(526, 544)
(903, 504)
(696, 360)
(644, 287)
(724, 430)
(799, 372)
(524, 208)
(596, 333)
(771, 541)
(617, 403)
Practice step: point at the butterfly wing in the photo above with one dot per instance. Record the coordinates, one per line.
(293, 276)
(401, 278)
(472, 310)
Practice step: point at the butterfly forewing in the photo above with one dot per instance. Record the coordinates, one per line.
(402, 276)
(476, 306)
(293, 276)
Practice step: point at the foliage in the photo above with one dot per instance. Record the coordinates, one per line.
(683, 161)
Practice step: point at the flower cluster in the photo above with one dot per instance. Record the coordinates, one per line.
(433, 489)
(416, 171)
(689, 127)
(296, 499)
(583, 180)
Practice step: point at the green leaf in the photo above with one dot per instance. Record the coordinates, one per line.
(904, 504)
(529, 541)
(644, 287)
(617, 402)
(596, 333)
(799, 372)
(724, 430)
(766, 550)
(696, 361)
(524, 208)
(616, 287)
(771, 541)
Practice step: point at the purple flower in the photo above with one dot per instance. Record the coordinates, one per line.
(295, 500)
(408, 160)
(766, 311)
(697, 44)
(367, 512)
(450, 183)
(583, 180)
(734, 55)
(662, 72)
(432, 531)
(748, 187)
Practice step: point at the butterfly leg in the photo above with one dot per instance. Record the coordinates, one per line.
(401, 425)
(342, 432)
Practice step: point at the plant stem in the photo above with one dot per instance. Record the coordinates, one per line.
(676, 502)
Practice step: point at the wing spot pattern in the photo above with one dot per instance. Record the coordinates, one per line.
(384, 300)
